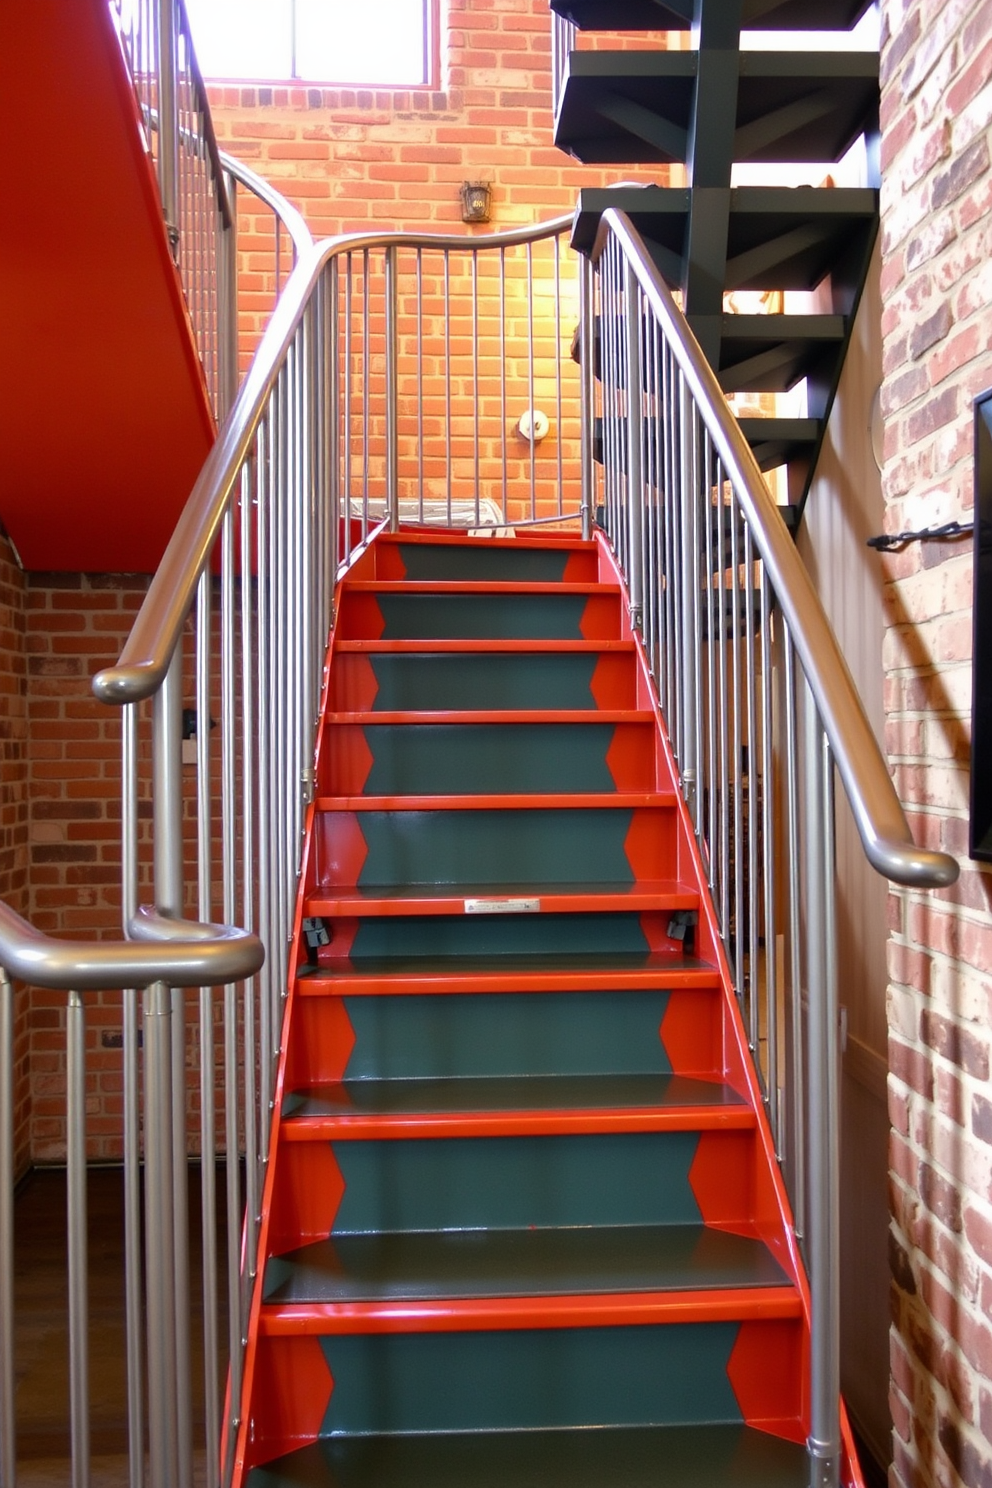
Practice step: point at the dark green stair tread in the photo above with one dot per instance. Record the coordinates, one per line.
(507, 1093)
(707, 1456)
(594, 1260)
(484, 561)
(676, 15)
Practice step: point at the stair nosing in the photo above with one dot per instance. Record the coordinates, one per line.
(595, 1309)
(346, 901)
(467, 1125)
(325, 982)
(483, 801)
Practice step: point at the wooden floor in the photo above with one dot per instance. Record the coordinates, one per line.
(41, 1337)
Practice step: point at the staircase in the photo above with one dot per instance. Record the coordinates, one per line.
(710, 108)
(520, 1181)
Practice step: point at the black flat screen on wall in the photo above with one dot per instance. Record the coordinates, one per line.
(981, 675)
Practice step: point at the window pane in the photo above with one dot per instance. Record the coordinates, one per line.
(242, 38)
(361, 41)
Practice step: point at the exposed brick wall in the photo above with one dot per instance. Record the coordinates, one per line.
(937, 296)
(75, 624)
(354, 160)
(14, 817)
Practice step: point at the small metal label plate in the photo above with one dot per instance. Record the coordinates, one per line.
(502, 906)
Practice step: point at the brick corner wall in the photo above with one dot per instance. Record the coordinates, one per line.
(937, 314)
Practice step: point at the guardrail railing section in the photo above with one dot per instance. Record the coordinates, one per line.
(759, 707)
(453, 396)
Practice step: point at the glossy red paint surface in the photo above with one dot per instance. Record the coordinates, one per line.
(104, 419)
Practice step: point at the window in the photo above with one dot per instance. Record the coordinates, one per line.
(373, 42)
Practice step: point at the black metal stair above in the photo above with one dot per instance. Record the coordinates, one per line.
(677, 15)
(712, 108)
(628, 107)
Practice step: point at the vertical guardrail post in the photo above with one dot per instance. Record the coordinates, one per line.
(168, 119)
(587, 379)
(823, 1443)
(392, 393)
(78, 1269)
(8, 1453)
(635, 442)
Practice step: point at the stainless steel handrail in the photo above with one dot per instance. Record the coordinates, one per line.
(145, 658)
(283, 210)
(880, 819)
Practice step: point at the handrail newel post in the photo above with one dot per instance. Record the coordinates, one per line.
(635, 443)
(823, 1240)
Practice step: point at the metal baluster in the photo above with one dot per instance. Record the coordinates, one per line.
(392, 392)
(447, 382)
(711, 513)
(475, 382)
(823, 1246)
(502, 378)
(420, 384)
(530, 379)
(735, 762)
(208, 1141)
(635, 445)
(79, 1328)
(798, 1133)
(228, 890)
(586, 391)
(768, 827)
(133, 1307)
(8, 1443)
(754, 1032)
(725, 513)
(558, 357)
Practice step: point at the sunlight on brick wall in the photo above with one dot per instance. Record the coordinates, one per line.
(937, 294)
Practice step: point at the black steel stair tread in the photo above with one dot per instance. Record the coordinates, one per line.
(606, 93)
(507, 966)
(809, 228)
(778, 440)
(657, 15)
(576, 1261)
(470, 1095)
(711, 1455)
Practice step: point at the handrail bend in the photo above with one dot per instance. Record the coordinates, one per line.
(182, 954)
(878, 814)
(148, 650)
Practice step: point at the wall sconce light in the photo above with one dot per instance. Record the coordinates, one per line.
(477, 200)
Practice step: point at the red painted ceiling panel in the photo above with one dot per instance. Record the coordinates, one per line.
(104, 420)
